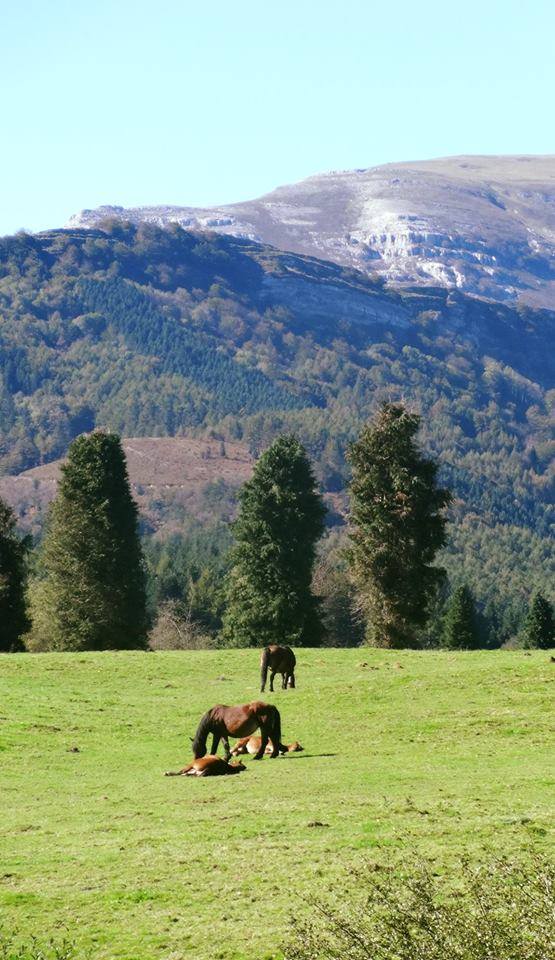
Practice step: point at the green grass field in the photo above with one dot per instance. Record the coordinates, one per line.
(433, 753)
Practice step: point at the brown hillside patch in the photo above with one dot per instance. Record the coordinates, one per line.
(167, 474)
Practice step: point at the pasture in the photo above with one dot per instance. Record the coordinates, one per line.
(439, 753)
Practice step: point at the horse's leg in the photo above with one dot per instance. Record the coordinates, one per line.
(272, 675)
(178, 773)
(263, 744)
(284, 680)
(227, 751)
(216, 743)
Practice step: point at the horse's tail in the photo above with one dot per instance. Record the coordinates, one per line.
(275, 727)
(203, 729)
(264, 664)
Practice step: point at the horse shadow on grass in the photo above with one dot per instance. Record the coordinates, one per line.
(306, 756)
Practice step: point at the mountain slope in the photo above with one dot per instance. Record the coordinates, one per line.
(163, 332)
(483, 225)
(169, 476)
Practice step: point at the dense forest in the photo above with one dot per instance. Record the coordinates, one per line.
(163, 332)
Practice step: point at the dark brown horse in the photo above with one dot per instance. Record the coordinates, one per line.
(223, 722)
(277, 659)
(208, 766)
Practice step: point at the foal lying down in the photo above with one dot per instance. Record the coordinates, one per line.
(208, 766)
(252, 745)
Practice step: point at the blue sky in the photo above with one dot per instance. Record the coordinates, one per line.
(129, 102)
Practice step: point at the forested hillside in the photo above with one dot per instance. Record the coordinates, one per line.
(163, 332)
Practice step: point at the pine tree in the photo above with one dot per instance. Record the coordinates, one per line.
(13, 613)
(93, 593)
(539, 626)
(460, 628)
(281, 518)
(397, 527)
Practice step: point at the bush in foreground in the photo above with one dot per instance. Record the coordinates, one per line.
(13, 948)
(500, 911)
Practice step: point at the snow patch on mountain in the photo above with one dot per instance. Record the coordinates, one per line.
(483, 225)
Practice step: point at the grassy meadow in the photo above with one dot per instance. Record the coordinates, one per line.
(442, 754)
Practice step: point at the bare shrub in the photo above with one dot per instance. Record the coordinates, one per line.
(175, 629)
(499, 911)
(342, 618)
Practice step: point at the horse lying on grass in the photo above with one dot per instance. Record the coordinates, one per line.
(252, 745)
(277, 659)
(224, 722)
(208, 766)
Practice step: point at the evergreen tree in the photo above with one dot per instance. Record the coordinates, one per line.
(281, 518)
(397, 527)
(539, 626)
(460, 627)
(93, 593)
(13, 613)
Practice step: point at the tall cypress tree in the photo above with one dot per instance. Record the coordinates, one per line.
(13, 612)
(397, 527)
(539, 626)
(460, 629)
(93, 593)
(281, 518)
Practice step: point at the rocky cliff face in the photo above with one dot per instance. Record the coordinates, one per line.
(483, 225)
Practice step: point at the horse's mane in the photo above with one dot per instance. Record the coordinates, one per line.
(203, 729)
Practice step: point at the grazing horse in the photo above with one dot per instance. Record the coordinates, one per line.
(278, 660)
(208, 766)
(252, 745)
(223, 722)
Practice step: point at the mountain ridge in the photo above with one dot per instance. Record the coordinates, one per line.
(482, 224)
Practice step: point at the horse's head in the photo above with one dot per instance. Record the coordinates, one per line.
(237, 767)
(295, 747)
(199, 747)
(203, 729)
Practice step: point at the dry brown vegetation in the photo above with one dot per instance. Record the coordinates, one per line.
(171, 472)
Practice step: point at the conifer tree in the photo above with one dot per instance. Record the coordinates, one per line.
(13, 613)
(281, 518)
(460, 628)
(539, 626)
(93, 593)
(397, 527)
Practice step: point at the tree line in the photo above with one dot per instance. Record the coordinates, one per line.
(90, 590)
